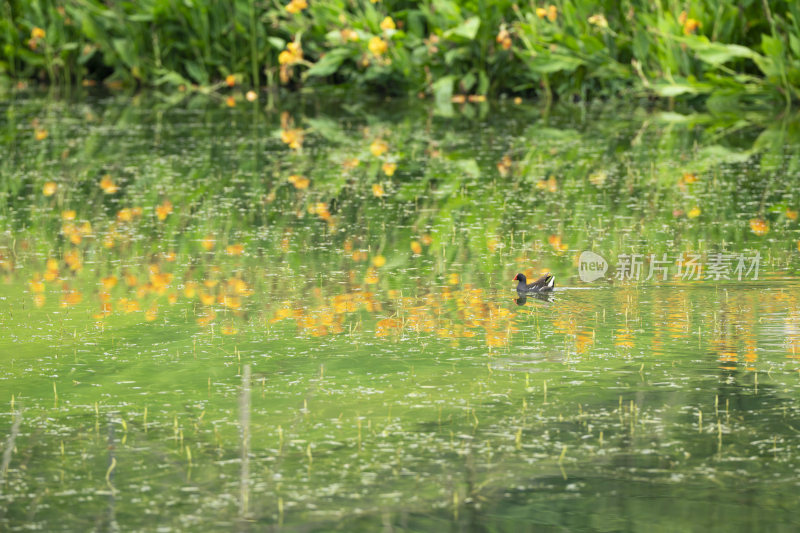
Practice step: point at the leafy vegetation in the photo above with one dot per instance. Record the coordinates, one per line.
(729, 53)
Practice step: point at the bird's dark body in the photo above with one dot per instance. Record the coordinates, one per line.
(543, 284)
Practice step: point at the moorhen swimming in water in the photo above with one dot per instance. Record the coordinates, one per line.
(543, 284)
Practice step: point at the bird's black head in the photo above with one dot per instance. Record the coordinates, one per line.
(520, 277)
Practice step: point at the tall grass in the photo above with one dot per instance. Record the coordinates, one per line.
(727, 52)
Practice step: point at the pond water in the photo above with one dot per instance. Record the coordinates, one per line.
(299, 315)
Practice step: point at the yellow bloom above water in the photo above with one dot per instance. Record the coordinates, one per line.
(40, 134)
(378, 261)
(759, 226)
(230, 80)
(694, 212)
(598, 20)
(504, 38)
(348, 34)
(691, 25)
(69, 214)
(552, 13)
(292, 54)
(230, 101)
(163, 210)
(378, 147)
(389, 168)
(791, 214)
(416, 247)
(108, 185)
(377, 46)
(49, 188)
(388, 24)
(37, 33)
(377, 190)
(296, 6)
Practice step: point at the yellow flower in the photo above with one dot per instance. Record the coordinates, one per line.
(693, 212)
(296, 6)
(791, 215)
(71, 297)
(504, 38)
(759, 226)
(377, 190)
(251, 96)
(688, 177)
(300, 182)
(377, 46)
(292, 137)
(292, 54)
(371, 277)
(40, 134)
(378, 261)
(389, 168)
(108, 185)
(68, 214)
(453, 279)
(125, 215)
(152, 313)
(691, 25)
(378, 147)
(235, 249)
(208, 243)
(109, 282)
(387, 24)
(230, 101)
(37, 33)
(228, 329)
(49, 188)
(541, 12)
(416, 247)
(230, 80)
(163, 210)
(348, 35)
(598, 20)
(552, 13)
(350, 164)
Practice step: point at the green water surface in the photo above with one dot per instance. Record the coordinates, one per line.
(156, 250)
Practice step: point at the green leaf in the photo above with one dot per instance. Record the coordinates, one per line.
(719, 53)
(277, 42)
(124, 48)
(555, 63)
(674, 89)
(329, 63)
(197, 72)
(468, 29)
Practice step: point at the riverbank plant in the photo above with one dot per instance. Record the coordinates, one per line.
(722, 52)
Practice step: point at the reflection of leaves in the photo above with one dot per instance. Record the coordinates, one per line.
(326, 127)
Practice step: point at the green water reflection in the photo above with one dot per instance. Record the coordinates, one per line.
(357, 260)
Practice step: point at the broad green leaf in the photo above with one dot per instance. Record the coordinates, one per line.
(329, 63)
(467, 30)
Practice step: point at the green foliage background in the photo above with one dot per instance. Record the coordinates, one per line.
(726, 52)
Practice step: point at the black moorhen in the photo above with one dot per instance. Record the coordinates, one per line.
(543, 284)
